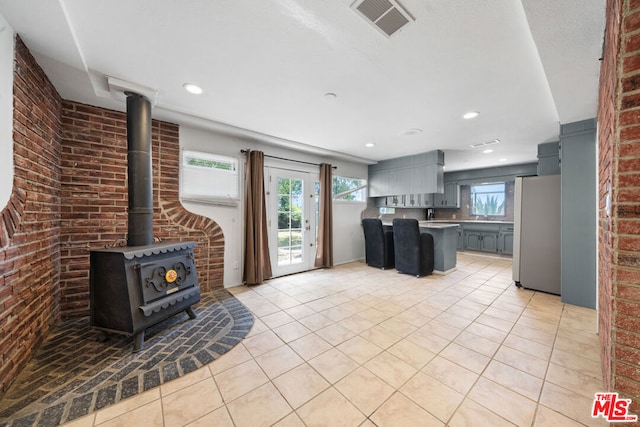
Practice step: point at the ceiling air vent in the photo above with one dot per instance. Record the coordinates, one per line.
(484, 144)
(387, 16)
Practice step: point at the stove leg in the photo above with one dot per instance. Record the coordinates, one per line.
(138, 343)
(192, 314)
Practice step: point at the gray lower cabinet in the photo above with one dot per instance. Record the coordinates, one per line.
(486, 237)
(489, 242)
(472, 240)
(505, 240)
(484, 241)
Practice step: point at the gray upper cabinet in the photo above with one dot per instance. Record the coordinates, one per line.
(426, 200)
(418, 174)
(412, 200)
(406, 201)
(549, 158)
(438, 200)
(450, 198)
(378, 183)
(397, 201)
(391, 201)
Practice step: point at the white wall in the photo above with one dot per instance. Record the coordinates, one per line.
(348, 237)
(6, 111)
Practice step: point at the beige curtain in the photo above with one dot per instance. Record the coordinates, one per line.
(257, 265)
(324, 251)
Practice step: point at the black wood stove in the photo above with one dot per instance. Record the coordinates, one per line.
(139, 285)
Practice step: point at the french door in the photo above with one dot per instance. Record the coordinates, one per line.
(292, 219)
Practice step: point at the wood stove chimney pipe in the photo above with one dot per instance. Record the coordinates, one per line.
(140, 215)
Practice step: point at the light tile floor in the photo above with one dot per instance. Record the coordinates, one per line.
(358, 346)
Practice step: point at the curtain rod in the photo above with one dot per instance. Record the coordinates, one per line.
(244, 151)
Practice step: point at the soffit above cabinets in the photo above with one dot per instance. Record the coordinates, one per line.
(416, 174)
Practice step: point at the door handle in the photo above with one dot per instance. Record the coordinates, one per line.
(308, 228)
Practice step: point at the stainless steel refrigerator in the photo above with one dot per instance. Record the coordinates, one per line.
(536, 240)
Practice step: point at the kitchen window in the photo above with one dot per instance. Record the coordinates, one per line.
(488, 199)
(349, 189)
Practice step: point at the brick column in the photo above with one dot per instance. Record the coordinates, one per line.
(619, 200)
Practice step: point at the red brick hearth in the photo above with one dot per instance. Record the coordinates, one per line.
(69, 196)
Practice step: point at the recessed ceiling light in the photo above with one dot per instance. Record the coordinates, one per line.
(487, 151)
(369, 144)
(192, 88)
(412, 131)
(330, 95)
(502, 159)
(471, 115)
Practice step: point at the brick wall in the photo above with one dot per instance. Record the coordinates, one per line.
(94, 199)
(70, 195)
(619, 188)
(29, 227)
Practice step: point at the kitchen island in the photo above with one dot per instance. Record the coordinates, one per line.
(490, 236)
(445, 238)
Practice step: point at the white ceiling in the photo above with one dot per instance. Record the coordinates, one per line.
(265, 66)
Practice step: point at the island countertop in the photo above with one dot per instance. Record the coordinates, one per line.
(427, 224)
(432, 224)
(468, 221)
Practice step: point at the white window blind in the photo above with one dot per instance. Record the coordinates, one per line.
(209, 178)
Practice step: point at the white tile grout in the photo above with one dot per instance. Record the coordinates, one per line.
(481, 284)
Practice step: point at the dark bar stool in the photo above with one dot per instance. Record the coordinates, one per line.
(413, 250)
(378, 244)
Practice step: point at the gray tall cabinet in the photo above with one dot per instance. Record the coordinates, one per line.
(578, 213)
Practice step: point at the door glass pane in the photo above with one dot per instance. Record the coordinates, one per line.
(284, 202)
(296, 237)
(283, 220)
(290, 214)
(284, 245)
(296, 202)
(296, 187)
(296, 220)
(296, 254)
